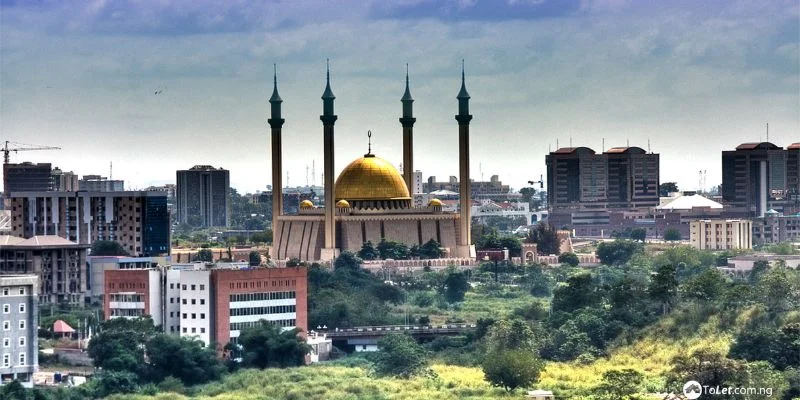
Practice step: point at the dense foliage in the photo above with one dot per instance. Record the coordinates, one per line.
(267, 345)
(107, 248)
(546, 238)
(400, 356)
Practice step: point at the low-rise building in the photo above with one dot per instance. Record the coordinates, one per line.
(775, 227)
(721, 234)
(19, 350)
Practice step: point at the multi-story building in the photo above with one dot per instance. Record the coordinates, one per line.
(27, 177)
(65, 181)
(212, 304)
(97, 265)
(491, 189)
(97, 183)
(203, 194)
(59, 264)
(139, 221)
(757, 177)
(722, 234)
(775, 227)
(19, 350)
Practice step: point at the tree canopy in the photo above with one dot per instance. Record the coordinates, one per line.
(108, 248)
(401, 356)
(267, 345)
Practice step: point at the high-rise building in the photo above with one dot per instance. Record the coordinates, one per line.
(97, 183)
(203, 194)
(138, 221)
(213, 304)
(59, 264)
(757, 177)
(65, 181)
(27, 177)
(621, 178)
(19, 335)
(491, 189)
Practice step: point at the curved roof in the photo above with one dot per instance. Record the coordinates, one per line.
(689, 202)
(794, 146)
(371, 178)
(570, 150)
(625, 150)
(757, 146)
(306, 204)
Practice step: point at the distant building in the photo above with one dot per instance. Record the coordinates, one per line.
(59, 264)
(138, 221)
(97, 265)
(202, 194)
(97, 183)
(213, 304)
(20, 310)
(65, 181)
(775, 227)
(492, 189)
(27, 177)
(721, 234)
(757, 177)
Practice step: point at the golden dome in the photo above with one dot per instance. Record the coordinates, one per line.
(371, 178)
(306, 204)
(434, 203)
(342, 204)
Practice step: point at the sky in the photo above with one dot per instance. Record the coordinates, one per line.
(687, 78)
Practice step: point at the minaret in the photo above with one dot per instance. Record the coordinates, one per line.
(408, 137)
(465, 186)
(328, 118)
(276, 123)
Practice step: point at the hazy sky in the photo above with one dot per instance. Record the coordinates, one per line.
(692, 77)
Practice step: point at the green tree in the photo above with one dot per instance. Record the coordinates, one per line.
(13, 391)
(186, 359)
(431, 249)
(513, 334)
(620, 384)
(266, 345)
(666, 188)
(617, 252)
(546, 238)
(580, 291)
(120, 345)
(204, 255)
(401, 356)
(109, 382)
(570, 259)
(262, 237)
(368, 251)
(537, 281)
(708, 367)
(664, 287)
(639, 234)
(107, 248)
(779, 289)
(255, 258)
(347, 261)
(708, 285)
(389, 249)
(672, 235)
(511, 369)
(456, 286)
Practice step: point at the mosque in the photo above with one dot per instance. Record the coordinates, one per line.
(370, 200)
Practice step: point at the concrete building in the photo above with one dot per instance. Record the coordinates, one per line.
(492, 189)
(97, 265)
(757, 177)
(370, 200)
(97, 183)
(20, 318)
(27, 177)
(213, 304)
(59, 264)
(202, 194)
(721, 234)
(775, 227)
(138, 221)
(65, 181)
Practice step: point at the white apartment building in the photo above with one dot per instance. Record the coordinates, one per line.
(195, 307)
(721, 234)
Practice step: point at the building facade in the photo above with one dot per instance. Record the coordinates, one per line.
(19, 350)
(138, 221)
(757, 177)
(775, 227)
(133, 293)
(27, 177)
(59, 264)
(721, 234)
(202, 194)
(65, 181)
(97, 183)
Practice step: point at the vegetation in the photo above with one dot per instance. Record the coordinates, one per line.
(618, 252)
(546, 238)
(204, 255)
(570, 259)
(666, 188)
(108, 248)
(400, 356)
(672, 235)
(266, 345)
(254, 258)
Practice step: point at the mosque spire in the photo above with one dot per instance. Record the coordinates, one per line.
(463, 96)
(275, 101)
(407, 100)
(328, 95)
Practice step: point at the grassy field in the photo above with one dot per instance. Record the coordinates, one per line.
(475, 306)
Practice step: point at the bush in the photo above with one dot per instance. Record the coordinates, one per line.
(401, 356)
(570, 259)
(511, 369)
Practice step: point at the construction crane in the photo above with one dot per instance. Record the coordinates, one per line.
(540, 182)
(22, 147)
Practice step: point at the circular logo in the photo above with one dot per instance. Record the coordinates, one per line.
(692, 390)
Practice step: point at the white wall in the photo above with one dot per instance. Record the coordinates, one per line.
(196, 287)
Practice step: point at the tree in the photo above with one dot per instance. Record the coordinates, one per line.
(705, 286)
(666, 188)
(639, 234)
(620, 384)
(617, 252)
(347, 261)
(267, 345)
(708, 367)
(401, 356)
(546, 238)
(262, 237)
(664, 287)
(120, 345)
(570, 259)
(204, 255)
(389, 249)
(431, 249)
(672, 235)
(511, 369)
(107, 383)
(255, 258)
(108, 248)
(513, 335)
(186, 359)
(368, 251)
(456, 286)
(580, 291)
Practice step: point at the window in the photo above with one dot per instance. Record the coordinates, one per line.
(172, 286)
(22, 341)
(202, 287)
(194, 316)
(6, 325)
(22, 308)
(202, 316)
(171, 300)
(184, 330)
(183, 287)
(22, 291)
(6, 308)
(184, 301)
(5, 291)
(202, 301)
(6, 342)
(194, 330)
(194, 301)
(22, 324)
(6, 360)
(21, 358)
(193, 287)
(184, 315)
(171, 314)
(202, 330)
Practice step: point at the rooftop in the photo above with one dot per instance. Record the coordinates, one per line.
(570, 150)
(38, 241)
(757, 146)
(690, 202)
(625, 150)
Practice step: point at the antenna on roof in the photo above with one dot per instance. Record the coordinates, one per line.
(648, 146)
(556, 144)
(768, 131)
(110, 170)
(570, 141)
(313, 174)
(627, 143)
(604, 145)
